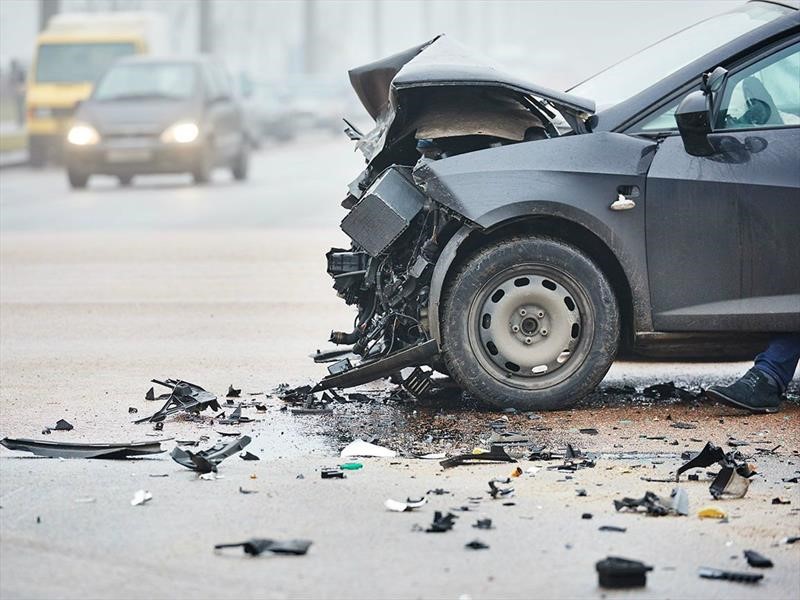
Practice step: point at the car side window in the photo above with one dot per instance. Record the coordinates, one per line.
(766, 93)
(212, 90)
(663, 120)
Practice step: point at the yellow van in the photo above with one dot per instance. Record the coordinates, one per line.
(71, 54)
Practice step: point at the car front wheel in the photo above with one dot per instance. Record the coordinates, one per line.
(530, 323)
(77, 179)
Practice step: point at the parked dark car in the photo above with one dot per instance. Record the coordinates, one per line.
(158, 115)
(517, 238)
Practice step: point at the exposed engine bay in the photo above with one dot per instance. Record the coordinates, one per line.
(429, 103)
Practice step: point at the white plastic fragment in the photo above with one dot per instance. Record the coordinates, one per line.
(397, 506)
(141, 497)
(533, 470)
(362, 448)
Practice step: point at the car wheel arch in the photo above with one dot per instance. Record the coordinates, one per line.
(468, 240)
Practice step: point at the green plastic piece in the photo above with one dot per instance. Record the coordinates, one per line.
(351, 466)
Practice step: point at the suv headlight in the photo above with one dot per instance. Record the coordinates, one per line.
(83, 134)
(183, 132)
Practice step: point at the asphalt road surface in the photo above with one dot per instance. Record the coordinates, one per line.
(103, 289)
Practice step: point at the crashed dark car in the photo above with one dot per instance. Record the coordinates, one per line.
(518, 238)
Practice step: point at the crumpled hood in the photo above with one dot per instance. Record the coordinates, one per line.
(444, 62)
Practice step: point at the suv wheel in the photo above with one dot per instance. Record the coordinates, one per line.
(77, 179)
(240, 163)
(529, 323)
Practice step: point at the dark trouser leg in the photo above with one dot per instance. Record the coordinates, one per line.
(779, 360)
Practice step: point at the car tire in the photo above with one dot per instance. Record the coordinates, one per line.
(77, 179)
(37, 152)
(201, 174)
(125, 180)
(241, 163)
(529, 323)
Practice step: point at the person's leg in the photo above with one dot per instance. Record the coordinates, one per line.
(760, 389)
(779, 360)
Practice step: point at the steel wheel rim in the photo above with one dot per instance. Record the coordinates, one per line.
(526, 326)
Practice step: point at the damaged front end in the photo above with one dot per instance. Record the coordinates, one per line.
(429, 103)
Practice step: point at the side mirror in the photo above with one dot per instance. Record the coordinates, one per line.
(695, 113)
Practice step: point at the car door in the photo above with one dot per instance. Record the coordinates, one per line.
(723, 231)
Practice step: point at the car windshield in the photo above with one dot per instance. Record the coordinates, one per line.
(149, 80)
(638, 72)
(77, 63)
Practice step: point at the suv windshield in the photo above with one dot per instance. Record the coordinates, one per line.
(638, 72)
(77, 63)
(147, 80)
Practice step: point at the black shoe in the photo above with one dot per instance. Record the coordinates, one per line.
(753, 392)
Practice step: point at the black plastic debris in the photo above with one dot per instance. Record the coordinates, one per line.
(495, 454)
(476, 545)
(615, 572)
(483, 524)
(132, 410)
(159, 426)
(438, 492)
(150, 395)
(71, 450)
(777, 500)
(586, 516)
(657, 506)
(666, 391)
(418, 383)
(185, 396)
(248, 456)
(61, 425)
(710, 573)
(441, 522)
(508, 438)
(233, 392)
(612, 528)
(244, 491)
(754, 559)
(258, 546)
(495, 491)
(732, 480)
(206, 461)
(589, 431)
(580, 492)
(734, 443)
(681, 425)
(235, 418)
(332, 473)
(260, 407)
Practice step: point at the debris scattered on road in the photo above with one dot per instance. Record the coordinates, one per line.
(151, 394)
(496, 453)
(258, 546)
(681, 425)
(441, 522)
(235, 418)
(711, 512)
(206, 461)
(85, 500)
(710, 573)
(612, 528)
(132, 410)
(438, 492)
(233, 392)
(615, 572)
(733, 479)
(589, 431)
(754, 559)
(586, 516)
(76, 450)
(141, 497)
(476, 545)
(61, 425)
(667, 391)
(496, 491)
(780, 501)
(185, 397)
(248, 456)
(361, 448)
(351, 466)
(407, 506)
(244, 491)
(483, 524)
(332, 473)
(790, 540)
(657, 506)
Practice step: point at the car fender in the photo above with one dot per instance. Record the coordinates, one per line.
(573, 179)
